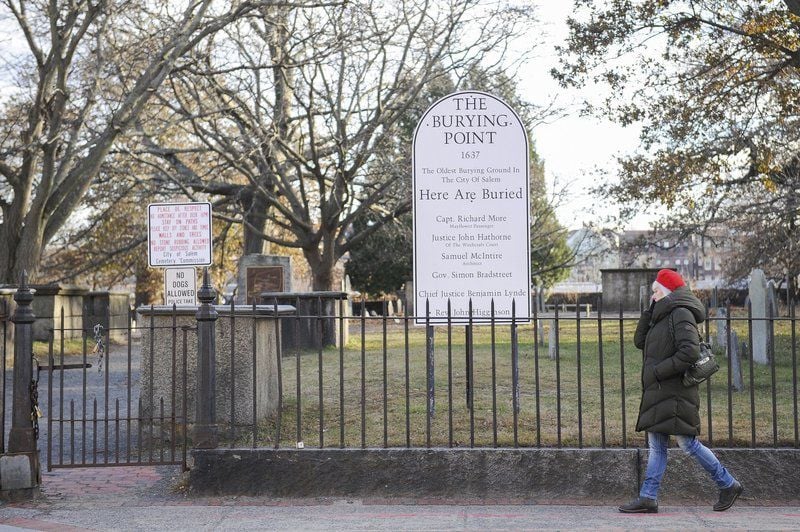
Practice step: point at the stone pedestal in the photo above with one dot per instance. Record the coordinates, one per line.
(318, 322)
(20, 476)
(235, 358)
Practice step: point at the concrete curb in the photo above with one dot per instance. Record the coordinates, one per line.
(594, 476)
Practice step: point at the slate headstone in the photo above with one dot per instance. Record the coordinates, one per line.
(721, 327)
(737, 380)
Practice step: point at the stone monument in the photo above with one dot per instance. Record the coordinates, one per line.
(758, 306)
(262, 273)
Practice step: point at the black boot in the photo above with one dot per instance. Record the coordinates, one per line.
(640, 505)
(728, 496)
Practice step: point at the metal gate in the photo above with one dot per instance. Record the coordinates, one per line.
(98, 411)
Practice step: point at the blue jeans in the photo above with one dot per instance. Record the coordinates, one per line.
(657, 462)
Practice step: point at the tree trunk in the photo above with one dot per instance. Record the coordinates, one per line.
(255, 218)
(321, 266)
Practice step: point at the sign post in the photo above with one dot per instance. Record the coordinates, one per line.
(471, 211)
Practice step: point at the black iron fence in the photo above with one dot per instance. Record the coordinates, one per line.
(5, 327)
(546, 380)
(559, 380)
(95, 410)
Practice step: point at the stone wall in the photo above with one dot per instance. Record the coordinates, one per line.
(586, 476)
(109, 309)
(48, 303)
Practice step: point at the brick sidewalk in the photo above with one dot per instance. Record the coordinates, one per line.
(115, 486)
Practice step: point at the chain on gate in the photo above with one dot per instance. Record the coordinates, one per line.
(36, 412)
(99, 346)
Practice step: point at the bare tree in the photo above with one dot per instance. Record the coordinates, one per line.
(296, 115)
(70, 107)
(714, 87)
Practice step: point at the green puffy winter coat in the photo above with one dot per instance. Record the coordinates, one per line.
(667, 405)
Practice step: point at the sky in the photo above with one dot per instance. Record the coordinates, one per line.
(572, 147)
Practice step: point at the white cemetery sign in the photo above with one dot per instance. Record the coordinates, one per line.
(180, 286)
(179, 234)
(471, 210)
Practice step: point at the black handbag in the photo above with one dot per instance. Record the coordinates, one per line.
(702, 369)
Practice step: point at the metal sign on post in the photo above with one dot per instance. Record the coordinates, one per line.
(471, 210)
(179, 234)
(180, 286)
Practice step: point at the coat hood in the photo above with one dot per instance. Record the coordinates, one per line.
(680, 297)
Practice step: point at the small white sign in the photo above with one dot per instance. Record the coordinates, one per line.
(179, 234)
(471, 211)
(180, 286)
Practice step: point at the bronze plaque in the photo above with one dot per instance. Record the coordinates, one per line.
(263, 279)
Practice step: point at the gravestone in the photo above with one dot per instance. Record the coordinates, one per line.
(408, 297)
(540, 331)
(737, 380)
(758, 305)
(772, 299)
(262, 273)
(772, 313)
(721, 327)
(552, 341)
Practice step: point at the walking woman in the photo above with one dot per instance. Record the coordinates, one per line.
(667, 334)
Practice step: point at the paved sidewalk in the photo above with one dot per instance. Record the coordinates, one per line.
(152, 498)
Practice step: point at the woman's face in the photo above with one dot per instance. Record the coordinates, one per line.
(658, 293)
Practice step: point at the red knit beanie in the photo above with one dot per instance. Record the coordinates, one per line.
(669, 279)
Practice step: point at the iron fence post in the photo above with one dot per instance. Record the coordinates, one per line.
(20, 471)
(22, 438)
(205, 432)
